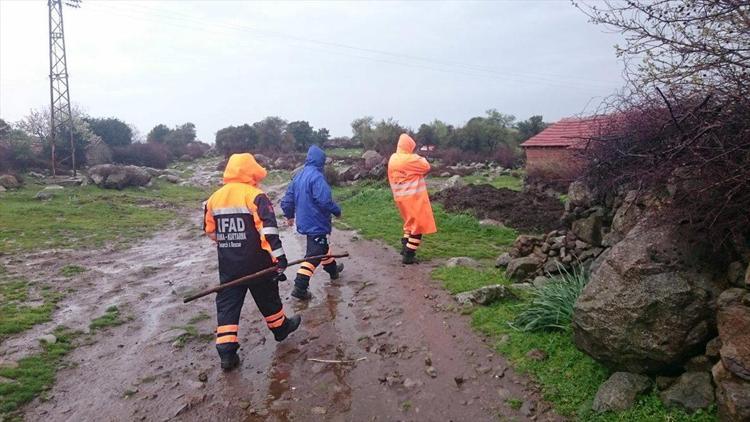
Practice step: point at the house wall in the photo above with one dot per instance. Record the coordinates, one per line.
(553, 162)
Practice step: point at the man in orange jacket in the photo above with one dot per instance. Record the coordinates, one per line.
(406, 172)
(240, 218)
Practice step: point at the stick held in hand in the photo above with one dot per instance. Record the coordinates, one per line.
(261, 273)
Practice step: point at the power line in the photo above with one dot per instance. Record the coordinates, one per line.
(394, 58)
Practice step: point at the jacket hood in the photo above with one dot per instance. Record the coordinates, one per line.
(406, 145)
(315, 157)
(243, 168)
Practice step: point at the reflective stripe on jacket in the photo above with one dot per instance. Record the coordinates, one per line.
(243, 219)
(406, 172)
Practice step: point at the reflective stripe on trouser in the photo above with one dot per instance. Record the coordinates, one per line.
(265, 292)
(411, 242)
(316, 245)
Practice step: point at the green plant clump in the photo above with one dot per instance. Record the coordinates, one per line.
(551, 306)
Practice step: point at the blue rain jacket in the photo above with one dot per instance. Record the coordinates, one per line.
(308, 198)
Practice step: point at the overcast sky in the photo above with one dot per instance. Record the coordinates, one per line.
(220, 63)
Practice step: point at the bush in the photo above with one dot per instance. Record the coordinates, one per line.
(150, 155)
(552, 305)
(197, 149)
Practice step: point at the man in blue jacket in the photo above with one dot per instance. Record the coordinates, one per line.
(309, 199)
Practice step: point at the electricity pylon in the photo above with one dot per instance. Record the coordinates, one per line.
(61, 117)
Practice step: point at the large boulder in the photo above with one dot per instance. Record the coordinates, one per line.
(733, 320)
(372, 159)
(9, 181)
(620, 391)
(650, 304)
(110, 176)
(732, 395)
(691, 391)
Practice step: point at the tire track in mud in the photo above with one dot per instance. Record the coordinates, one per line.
(393, 316)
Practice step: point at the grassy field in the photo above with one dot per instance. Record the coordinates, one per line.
(16, 313)
(345, 152)
(34, 374)
(569, 378)
(370, 209)
(85, 217)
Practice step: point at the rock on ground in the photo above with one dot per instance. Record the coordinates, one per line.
(733, 321)
(372, 159)
(110, 176)
(732, 395)
(589, 229)
(620, 391)
(519, 268)
(462, 261)
(650, 304)
(484, 295)
(8, 181)
(579, 195)
(454, 182)
(503, 260)
(691, 391)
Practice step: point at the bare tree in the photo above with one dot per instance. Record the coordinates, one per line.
(682, 126)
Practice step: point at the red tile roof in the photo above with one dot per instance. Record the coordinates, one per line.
(571, 132)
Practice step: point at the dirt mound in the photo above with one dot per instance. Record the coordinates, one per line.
(524, 211)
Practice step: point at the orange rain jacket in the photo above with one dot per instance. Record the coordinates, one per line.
(243, 220)
(406, 172)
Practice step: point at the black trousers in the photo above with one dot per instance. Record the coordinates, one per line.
(316, 245)
(265, 292)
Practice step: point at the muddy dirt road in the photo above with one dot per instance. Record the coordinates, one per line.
(414, 357)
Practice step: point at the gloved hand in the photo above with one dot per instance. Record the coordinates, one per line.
(282, 263)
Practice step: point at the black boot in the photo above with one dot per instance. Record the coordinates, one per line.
(301, 293)
(409, 257)
(290, 325)
(229, 361)
(336, 271)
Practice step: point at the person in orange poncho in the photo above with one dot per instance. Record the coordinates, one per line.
(406, 172)
(240, 218)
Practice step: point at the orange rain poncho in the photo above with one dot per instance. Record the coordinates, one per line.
(406, 172)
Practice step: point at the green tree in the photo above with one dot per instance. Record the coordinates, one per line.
(530, 127)
(180, 136)
(271, 133)
(158, 133)
(303, 134)
(114, 132)
(236, 139)
(362, 129)
(427, 135)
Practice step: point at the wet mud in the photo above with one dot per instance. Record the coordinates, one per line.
(384, 342)
(526, 211)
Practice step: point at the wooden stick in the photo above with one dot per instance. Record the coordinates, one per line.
(336, 361)
(261, 273)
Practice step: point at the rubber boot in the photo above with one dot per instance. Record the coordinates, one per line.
(290, 325)
(301, 293)
(336, 272)
(409, 257)
(404, 241)
(229, 361)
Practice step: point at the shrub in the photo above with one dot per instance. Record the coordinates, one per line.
(150, 155)
(197, 149)
(552, 305)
